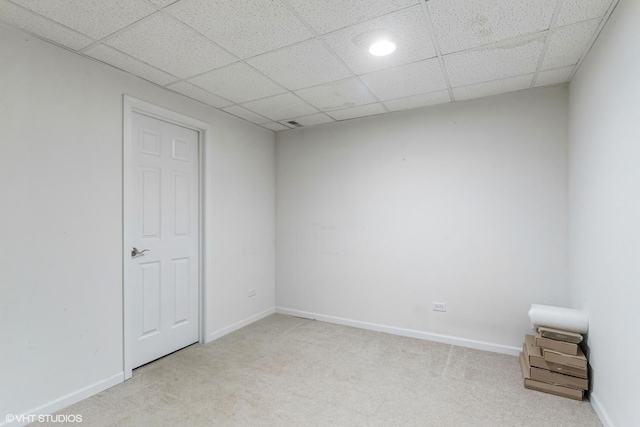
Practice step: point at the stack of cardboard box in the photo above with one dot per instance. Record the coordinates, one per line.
(553, 362)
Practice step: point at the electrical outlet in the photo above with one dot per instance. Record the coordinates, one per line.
(252, 292)
(439, 306)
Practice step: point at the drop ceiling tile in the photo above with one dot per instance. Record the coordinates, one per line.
(243, 27)
(465, 24)
(237, 82)
(243, 113)
(95, 18)
(418, 101)
(281, 107)
(275, 126)
(125, 62)
(497, 61)
(199, 94)
(170, 46)
(406, 80)
(582, 10)
(567, 44)
(361, 111)
(29, 21)
(408, 28)
(552, 77)
(302, 65)
(330, 15)
(313, 119)
(495, 87)
(342, 94)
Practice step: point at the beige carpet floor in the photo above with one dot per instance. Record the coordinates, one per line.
(286, 371)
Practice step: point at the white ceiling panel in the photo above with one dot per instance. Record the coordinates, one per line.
(237, 82)
(95, 18)
(29, 21)
(243, 27)
(418, 101)
(275, 126)
(552, 77)
(492, 88)
(355, 112)
(199, 94)
(302, 65)
(498, 61)
(408, 28)
(568, 44)
(330, 15)
(313, 119)
(406, 80)
(281, 107)
(582, 10)
(125, 62)
(166, 44)
(465, 24)
(342, 94)
(268, 61)
(243, 113)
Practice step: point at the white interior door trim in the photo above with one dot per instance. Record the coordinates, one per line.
(133, 105)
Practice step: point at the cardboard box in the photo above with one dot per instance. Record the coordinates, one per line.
(547, 376)
(560, 346)
(536, 359)
(558, 379)
(578, 361)
(531, 384)
(560, 335)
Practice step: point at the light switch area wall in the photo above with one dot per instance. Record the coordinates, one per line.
(464, 204)
(604, 118)
(61, 220)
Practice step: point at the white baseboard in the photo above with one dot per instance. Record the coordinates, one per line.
(241, 324)
(600, 411)
(64, 401)
(411, 333)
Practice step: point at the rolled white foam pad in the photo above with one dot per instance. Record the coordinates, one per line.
(567, 319)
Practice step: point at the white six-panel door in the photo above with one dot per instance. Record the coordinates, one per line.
(163, 222)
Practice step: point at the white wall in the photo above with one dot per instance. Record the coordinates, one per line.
(466, 203)
(61, 219)
(605, 211)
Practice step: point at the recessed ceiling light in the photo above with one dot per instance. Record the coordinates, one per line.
(382, 48)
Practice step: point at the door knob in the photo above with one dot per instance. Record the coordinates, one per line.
(135, 252)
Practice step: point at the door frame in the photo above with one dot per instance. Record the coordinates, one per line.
(133, 105)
